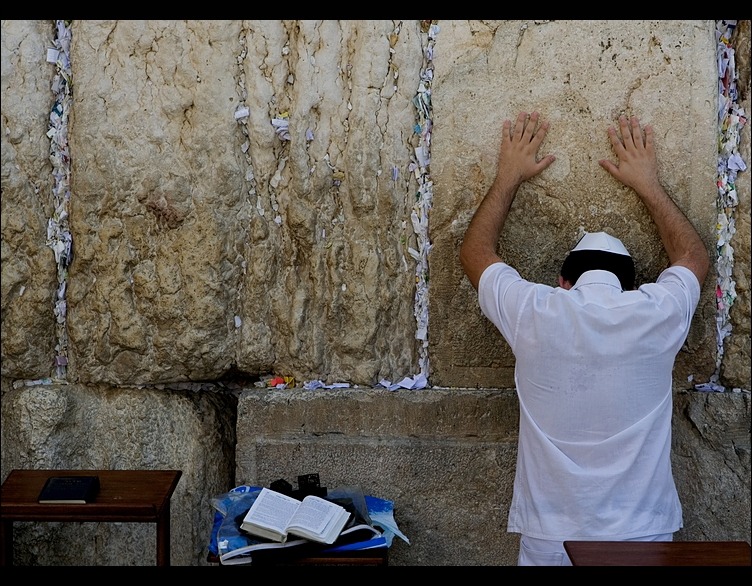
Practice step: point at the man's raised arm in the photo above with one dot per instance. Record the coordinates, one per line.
(517, 163)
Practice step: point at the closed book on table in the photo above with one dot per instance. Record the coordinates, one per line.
(73, 490)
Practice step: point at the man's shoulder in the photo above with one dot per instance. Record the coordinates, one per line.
(501, 277)
(674, 279)
(498, 269)
(681, 274)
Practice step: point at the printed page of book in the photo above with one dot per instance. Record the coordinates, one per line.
(319, 520)
(273, 510)
(315, 514)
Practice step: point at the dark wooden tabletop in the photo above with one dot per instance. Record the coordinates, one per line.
(124, 495)
(659, 553)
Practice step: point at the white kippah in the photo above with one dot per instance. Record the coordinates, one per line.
(601, 241)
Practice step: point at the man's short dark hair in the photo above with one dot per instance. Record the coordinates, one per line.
(579, 261)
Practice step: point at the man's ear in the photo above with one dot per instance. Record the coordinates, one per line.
(564, 284)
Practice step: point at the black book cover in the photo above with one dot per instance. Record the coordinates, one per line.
(69, 490)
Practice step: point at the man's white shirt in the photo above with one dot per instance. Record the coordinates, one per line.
(594, 379)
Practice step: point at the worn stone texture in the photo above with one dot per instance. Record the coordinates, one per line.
(711, 461)
(447, 458)
(330, 285)
(28, 265)
(158, 212)
(169, 254)
(207, 248)
(103, 427)
(580, 79)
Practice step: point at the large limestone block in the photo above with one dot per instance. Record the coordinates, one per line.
(330, 287)
(100, 427)
(445, 457)
(158, 206)
(28, 265)
(580, 75)
(208, 245)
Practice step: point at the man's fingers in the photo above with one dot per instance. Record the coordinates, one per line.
(636, 132)
(519, 127)
(545, 162)
(609, 166)
(526, 129)
(506, 130)
(540, 134)
(615, 140)
(626, 135)
(531, 130)
(648, 130)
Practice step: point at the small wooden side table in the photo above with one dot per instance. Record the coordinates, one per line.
(659, 553)
(125, 496)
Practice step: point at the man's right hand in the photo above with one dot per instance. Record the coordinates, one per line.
(638, 166)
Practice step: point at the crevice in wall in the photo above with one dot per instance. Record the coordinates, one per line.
(420, 166)
(58, 228)
(731, 119)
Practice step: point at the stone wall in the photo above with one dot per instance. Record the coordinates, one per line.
(100, 427)
(580, 78)
(216, 202)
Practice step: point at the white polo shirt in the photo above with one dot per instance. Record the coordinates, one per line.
(594, 379)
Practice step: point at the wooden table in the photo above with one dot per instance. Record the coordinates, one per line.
(363, 557)
(125, 496)
(659, 553)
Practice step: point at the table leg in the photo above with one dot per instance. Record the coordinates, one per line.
(163, 536)
(6, 543)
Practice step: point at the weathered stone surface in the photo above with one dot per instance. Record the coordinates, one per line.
(302, 240)
(258, 254)
(580, 79)
(711, 457)
(329, 290)
(28, 265)
(100, 427)
(158, 212)
(179, 276)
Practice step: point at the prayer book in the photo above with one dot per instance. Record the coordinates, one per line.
(274, 516)
(73, 490)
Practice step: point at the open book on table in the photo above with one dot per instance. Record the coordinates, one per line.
(274, 516)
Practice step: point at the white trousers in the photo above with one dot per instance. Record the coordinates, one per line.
(545, 552)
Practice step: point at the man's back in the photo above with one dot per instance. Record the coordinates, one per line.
(597, 349)
(593, 375)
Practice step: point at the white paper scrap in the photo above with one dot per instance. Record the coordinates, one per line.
(282, 128)
(242, 112)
